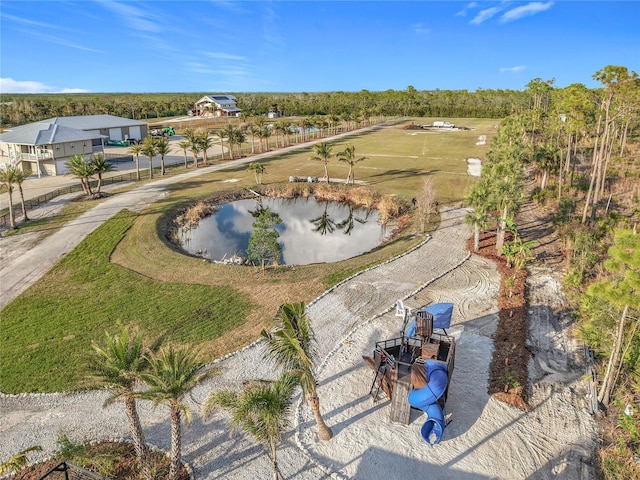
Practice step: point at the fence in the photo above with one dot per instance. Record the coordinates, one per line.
(250, 148)
(42, 199)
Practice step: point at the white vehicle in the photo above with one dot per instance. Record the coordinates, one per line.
(442, 124)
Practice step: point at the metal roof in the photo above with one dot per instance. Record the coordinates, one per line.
(219, 99)
(43, 133)
(94, 122)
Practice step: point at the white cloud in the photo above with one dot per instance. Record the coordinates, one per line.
(516, 69)
(484, 15)
(420, 28)
(28, 22)
(463, 12)
(224, 56)
(137, 18)
(9, 85)
(532, 8)
(270, 26)
(72, 90)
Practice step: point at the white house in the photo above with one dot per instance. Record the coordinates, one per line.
(217, 105)
(44, 147)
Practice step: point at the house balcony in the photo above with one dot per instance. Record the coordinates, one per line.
(29, 157)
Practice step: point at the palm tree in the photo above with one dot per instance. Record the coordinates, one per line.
(83, 170)
(117, 364)
(184, 145)
(290, 348)
(20, 177)
(100, 166)
(150, 149)
(164, 148)
(258, 170)
(262, 410)
(239, 138)
(173, 372)
(478, 219)
(322, 153)
(264, 133)
(136, 150)
(193, 141)
(230, 132)
(349, 156)
(324, 223)
(206, 142)
(222, 133)
(18, 461)
(253, 131)
(261, 131)
(283, 127)
(8, 174)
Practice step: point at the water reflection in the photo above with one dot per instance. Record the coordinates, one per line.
(311, 232)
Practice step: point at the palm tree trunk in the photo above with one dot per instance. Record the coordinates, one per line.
(274, 462)
(24, 210)
(176, 441)
(138, 167)
(324, 432)
(12, 220)
(138, 437)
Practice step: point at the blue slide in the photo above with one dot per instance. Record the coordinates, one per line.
(426, 399)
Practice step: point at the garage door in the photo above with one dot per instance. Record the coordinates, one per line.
(134, 132)
(115, 134)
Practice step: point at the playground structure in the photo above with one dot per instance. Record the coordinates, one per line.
(414, 370)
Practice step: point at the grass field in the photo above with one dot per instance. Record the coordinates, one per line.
(126, 272)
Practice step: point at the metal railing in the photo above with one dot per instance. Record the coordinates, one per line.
(34, 203)
(246, 150)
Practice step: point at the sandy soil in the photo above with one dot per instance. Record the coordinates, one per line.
(485, 439)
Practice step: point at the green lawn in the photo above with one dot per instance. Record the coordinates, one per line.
(47, 331)
(125, 272)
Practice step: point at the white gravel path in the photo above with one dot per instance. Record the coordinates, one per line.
(486, 439)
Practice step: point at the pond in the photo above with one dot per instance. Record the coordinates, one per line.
(310, 232)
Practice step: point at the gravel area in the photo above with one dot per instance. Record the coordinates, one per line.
(485, 439)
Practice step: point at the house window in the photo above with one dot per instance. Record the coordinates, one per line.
(72, 145)
(57, 147)
(84, 144)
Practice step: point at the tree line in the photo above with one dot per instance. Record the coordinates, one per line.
(19, 109)
(580, 146)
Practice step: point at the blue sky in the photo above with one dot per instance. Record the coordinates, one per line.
(309, 46)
